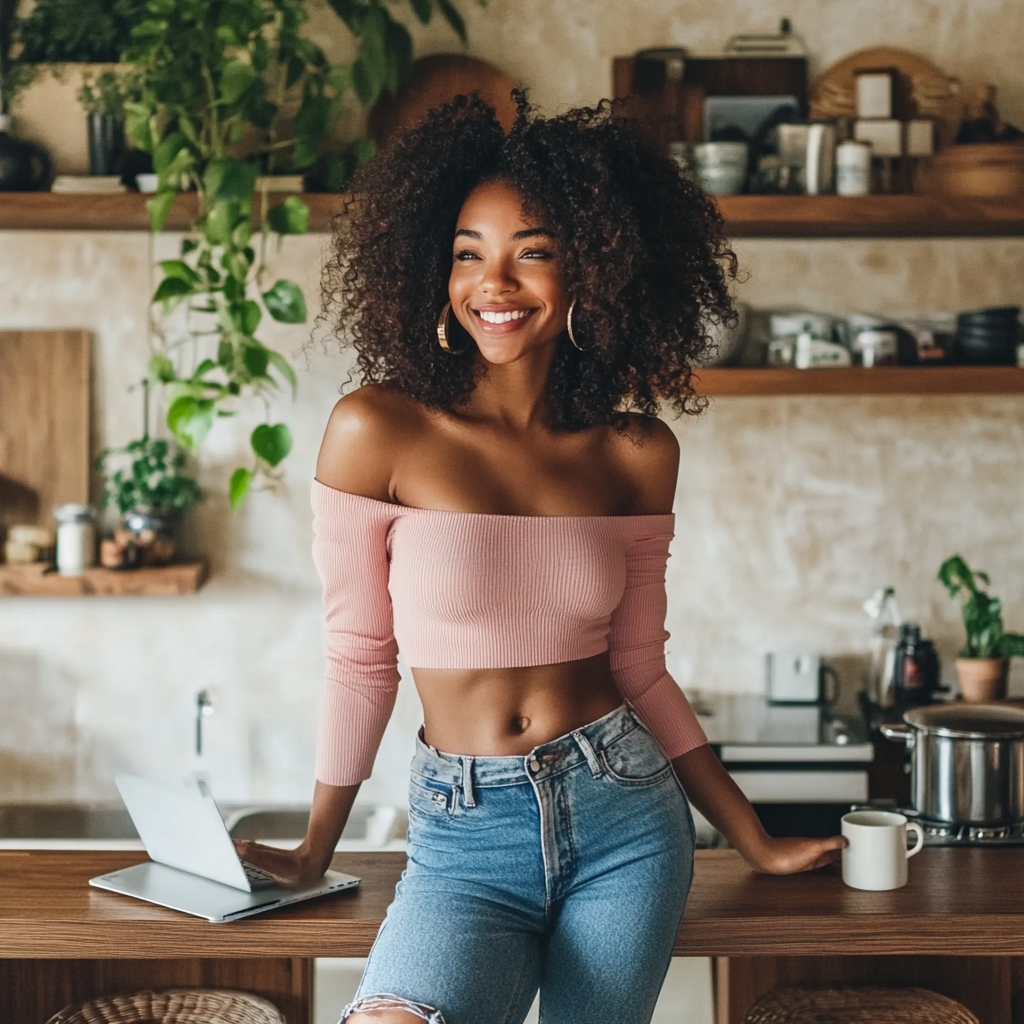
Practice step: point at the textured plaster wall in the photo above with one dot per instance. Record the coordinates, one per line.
(789, 510)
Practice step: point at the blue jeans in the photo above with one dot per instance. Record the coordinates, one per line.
(565, 870)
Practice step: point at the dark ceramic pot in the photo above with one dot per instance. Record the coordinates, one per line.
(24, 166)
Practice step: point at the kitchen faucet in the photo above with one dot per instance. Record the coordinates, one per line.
(204, 707)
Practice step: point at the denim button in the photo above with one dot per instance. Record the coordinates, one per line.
(535, 765)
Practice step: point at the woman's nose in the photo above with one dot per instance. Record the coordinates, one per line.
(498, 277)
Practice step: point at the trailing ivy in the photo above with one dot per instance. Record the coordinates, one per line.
(216, 78)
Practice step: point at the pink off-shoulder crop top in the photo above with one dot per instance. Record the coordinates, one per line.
(461, 590)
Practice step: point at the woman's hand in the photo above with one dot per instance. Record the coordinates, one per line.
(712, 791)
(286, 867)
(308, 861)
(788, 856)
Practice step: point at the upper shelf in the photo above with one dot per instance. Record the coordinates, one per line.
(906, 216)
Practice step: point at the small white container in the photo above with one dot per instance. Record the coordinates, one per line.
(76, 539)
(853, 168)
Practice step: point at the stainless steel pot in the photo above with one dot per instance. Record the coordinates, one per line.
(967, 762)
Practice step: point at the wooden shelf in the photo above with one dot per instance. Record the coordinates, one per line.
(909, 216)
(858, 380)
(42, 581)
(746, 216)
(124, 211)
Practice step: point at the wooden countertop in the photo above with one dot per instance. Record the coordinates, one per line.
(959, 901)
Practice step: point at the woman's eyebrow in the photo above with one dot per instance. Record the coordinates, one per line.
(517, 237)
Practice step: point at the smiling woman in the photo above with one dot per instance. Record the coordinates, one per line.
(638, 249)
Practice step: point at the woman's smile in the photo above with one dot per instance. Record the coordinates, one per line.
(502, 319)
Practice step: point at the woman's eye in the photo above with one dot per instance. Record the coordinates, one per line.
(464, 254)
(538, 254)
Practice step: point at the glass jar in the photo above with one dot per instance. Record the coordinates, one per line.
(76, 539)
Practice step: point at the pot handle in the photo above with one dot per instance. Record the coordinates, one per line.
(899, 732)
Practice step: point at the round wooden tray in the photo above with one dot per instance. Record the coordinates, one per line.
(931, 92)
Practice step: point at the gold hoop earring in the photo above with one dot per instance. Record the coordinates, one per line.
(568, 327)
(443, 328)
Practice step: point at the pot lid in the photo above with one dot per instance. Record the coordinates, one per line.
(969, 721)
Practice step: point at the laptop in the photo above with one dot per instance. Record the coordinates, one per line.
(195, 867)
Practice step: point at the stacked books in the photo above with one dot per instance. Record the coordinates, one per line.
(93, 184)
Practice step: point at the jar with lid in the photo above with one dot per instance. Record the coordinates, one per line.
(916, 668)
(76, 539)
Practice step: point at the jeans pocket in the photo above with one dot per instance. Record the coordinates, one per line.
(430, 799)
(635, 759)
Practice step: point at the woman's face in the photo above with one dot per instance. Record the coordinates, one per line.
(506, 284)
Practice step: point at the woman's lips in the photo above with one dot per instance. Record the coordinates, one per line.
(505, 326)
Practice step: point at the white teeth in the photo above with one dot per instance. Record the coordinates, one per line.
(502, 318)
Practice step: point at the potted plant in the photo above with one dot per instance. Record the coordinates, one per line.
(103, 97)
(146, 482)
(230, 91)
(983, 662)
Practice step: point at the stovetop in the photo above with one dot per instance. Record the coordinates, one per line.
(943, 833)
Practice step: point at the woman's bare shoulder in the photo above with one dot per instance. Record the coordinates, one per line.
(363, 434)
(647, 453)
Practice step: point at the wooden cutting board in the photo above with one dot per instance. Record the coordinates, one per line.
(44, 423)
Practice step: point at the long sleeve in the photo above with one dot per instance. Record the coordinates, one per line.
(636, 643)
(350, 553)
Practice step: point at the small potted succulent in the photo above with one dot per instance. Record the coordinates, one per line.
(103, 97)
(983, 662)
(146, 482)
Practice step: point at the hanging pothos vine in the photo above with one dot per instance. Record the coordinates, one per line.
(231, 89)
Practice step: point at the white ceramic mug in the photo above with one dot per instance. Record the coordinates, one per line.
(876, 854)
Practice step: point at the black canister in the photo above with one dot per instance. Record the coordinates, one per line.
(915, 675)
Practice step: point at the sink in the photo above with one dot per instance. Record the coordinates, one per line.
(370, 824)
(65, 821)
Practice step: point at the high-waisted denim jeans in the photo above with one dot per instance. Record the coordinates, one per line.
(565, 870)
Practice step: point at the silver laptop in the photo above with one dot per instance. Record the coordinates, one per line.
(194, 866)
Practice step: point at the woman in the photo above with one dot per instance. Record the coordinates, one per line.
(498, 497)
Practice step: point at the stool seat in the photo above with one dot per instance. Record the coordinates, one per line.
(861, 1005)
(173, 1006)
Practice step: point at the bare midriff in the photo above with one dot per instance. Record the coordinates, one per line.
(502, 712)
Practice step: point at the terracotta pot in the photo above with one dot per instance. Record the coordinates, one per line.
(982, 679)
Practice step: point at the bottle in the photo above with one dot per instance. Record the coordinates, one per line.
(884, 613)
(915, 668)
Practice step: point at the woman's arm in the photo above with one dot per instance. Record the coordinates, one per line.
(712, 791)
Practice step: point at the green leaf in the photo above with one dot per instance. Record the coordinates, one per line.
(232, 180)
(454, 19)
(220, 222)
(422, 9)
(284, 368)
(271, 443)
(250, 318)
(239, 487)
(203, 368)
(236, 79)
(400, 60)
(255, 359)
(290, 218)
(171, 290)
(304, 154)
(363, 148)
(190, 420)
(159, 206)
(296, 66)
(363, 81)
(1011, 645)
(138, 129)
(286, 303)
(166, 151)
(179, 269)
(161, 368)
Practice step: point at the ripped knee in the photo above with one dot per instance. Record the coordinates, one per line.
(365, 1010)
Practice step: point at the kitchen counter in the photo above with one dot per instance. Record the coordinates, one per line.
(960, 901)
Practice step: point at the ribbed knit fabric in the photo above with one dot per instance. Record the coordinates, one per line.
(462, 590)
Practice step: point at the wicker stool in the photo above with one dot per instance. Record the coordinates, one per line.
(857, 1006)
(175, 1006)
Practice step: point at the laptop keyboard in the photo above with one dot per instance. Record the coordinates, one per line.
(258, 879)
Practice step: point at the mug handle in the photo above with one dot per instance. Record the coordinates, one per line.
(912, 826)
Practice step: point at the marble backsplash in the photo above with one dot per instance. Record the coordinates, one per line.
(789, 510)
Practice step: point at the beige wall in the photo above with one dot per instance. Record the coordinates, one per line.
(789, 510)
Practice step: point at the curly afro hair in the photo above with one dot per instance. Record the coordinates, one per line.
(641, 246)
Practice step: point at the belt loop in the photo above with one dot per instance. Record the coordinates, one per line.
(468, 799)
(596, 768)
